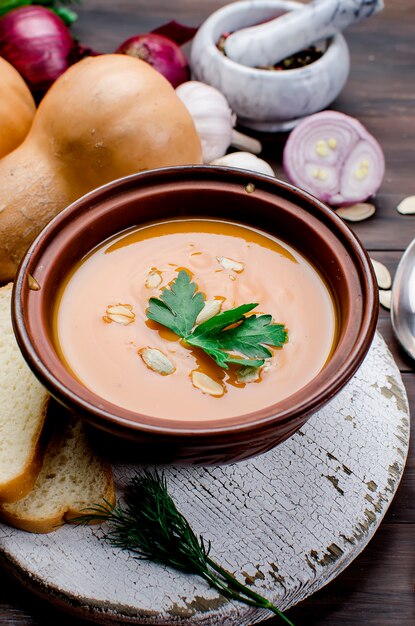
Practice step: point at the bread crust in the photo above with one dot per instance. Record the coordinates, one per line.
(23, 483)
(63, 458)
(64, 453)
(14, 487)
(48, 525)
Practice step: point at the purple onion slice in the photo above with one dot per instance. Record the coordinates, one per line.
(335, 158)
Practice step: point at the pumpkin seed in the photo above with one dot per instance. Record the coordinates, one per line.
(206, 384)
(356, 212)
(32, 282)
(153, 279)
(157, 361)
(407, 206)
(120, 314)
(230, 264)
(383, 277)
(247, 374)
(211, 308)
(385, 298)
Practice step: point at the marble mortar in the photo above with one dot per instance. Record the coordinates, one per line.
(265, 100)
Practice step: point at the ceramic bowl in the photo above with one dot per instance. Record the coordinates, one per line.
(265, 100)
(198, 191)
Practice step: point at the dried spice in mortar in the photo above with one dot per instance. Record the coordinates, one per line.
(293, 62)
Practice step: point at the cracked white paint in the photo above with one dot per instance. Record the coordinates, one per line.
(291, 519)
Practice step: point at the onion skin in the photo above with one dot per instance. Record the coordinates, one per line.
(179, 33)
(38, 44)
(161, 53)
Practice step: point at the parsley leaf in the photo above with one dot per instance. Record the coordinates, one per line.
(222, 335)
(209, 336)
(178, 307)
(249, 338)
(220, 321)
(221, 357)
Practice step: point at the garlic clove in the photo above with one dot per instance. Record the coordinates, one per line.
(212, 116)
(245, 143)
(245, 161)
(214, 120)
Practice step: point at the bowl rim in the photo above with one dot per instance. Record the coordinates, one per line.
(262, 419)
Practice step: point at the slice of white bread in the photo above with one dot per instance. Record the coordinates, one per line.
(73, 477)
(23, 403)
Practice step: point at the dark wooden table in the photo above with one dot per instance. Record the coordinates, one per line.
(377, 589)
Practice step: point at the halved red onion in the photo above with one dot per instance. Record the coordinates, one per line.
(335, 158)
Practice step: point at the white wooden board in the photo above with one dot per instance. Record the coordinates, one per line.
(286, 522)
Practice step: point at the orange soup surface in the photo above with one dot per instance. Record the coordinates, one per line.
(230, 263)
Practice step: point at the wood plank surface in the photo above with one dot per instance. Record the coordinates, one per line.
(377, 589)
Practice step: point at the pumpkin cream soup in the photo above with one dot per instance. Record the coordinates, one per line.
(194, 319)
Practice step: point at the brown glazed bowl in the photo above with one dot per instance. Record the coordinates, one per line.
(198, 191)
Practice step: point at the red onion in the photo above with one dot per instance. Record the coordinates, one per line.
(37, 43)
(334, 157)
(160, 52)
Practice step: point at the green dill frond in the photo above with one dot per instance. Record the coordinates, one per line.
(151, 527)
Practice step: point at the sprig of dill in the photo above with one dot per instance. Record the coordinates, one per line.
(151, 527)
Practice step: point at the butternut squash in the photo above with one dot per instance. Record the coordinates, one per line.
(104, 118)
(17, 108)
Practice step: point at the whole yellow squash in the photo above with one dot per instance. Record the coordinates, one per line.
(17, 108)
(104, 118)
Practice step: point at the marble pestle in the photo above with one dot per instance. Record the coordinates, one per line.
(268, 43)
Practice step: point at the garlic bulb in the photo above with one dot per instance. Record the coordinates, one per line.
(245, 161)
(214, 120)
